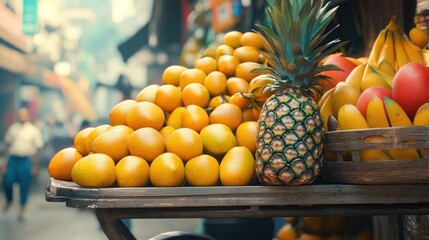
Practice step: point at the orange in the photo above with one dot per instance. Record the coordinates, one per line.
(166, 131)
(61, 164)
(223, 50)
(202, 170)
(237, 167)
(210, 51)
(185, 143)
(257, 87)
(246, 135)
(122, 127)
(193, 75)
(172, 73)
(248, 115)
(227, 114)
(419, 37)
(236, 85)
(174, 119)
(215, 82)
(247, 54)
(195, 94)
(207, 64)
(168, 97)
(145, 114)
(146, 143)
(132, 171)
(167, 170)
(96, 170)
(227, 64)
(218, 139)
(119, 112)
(287, 232)
(239, 100)
(93, 134)
(218, 100)
(80, 138)
(148, 93)
(233, 39)
(112, 143)
(194, 117)
(244, 70)
(251, 39)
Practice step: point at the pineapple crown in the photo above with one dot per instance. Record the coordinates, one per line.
(292, 44)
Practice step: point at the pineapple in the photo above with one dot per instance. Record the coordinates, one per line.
(291, 134)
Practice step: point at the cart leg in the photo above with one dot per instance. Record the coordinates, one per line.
(112, 226)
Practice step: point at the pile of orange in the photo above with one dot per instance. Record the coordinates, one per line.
(198, 128)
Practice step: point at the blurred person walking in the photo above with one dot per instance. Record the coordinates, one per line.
(23, 142)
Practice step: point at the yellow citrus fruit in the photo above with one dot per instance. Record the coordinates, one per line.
(194, 117)
(215, 82)
(232, 39)
(343, 94)
(62, 162)
(218, 100)
(419, 37)
(132, 171)
(237, 167)
(146, 143)
(172, 73)
(119, 112)
(251, 39)
(228, 114)
(257, 87)
(195, 94)
(246, 135)
(287, 232)
(123, 128)
(244, 70)
(210, 51)
(174, 119)
(185, 143)
(218, 139)
(148, 93)
(95, 170)
(193, 75)
(167, 170)
(166, 131)
(80, 138)
(223, 50)
(202, 170)
(247, 54)
(236, 85)
(168, 97)
(93, 134)
(112, 143)
(227, 64)
(239, 100)
(248, 115)
(206, 64)
(145, 114)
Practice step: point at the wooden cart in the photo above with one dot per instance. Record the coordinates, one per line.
(112, 204)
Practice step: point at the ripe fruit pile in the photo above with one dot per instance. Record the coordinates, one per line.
(198, 128)
(388, 90)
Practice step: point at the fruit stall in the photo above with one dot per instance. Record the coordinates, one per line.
(274, 122)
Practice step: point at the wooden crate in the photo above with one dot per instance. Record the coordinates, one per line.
(337, 169)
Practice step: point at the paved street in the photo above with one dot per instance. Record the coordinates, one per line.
(48, 220)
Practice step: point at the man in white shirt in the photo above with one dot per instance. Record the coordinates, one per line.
(23, 140)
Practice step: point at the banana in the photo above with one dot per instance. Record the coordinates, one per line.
(388, 51)
(422, 116)
(425, 53)
(349, 117)
(398, 118)
(386, 77)
(376, 48)
(325, 96)
(401, 56)
(414, 53)
(375, 114)
(387, 68)
(356, 75)
(326, 110)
